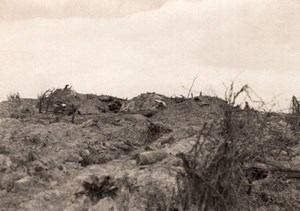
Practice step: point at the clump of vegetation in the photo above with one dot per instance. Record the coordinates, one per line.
(14, 97)
(215, 183)
(98, 188)
(294, 117)
(20, 113)
(17, 108)
(58, 101)
(219, 175)
(155, 198)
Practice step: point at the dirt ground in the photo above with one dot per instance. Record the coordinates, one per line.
(49, 163)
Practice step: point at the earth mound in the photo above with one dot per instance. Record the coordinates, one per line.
(74, 151)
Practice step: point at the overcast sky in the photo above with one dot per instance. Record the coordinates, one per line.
(24, 9)
(125, 47)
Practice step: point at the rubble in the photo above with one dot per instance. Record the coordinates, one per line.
(146, 104)
(67, 101)
(101, 160)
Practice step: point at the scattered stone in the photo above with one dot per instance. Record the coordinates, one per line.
(167, 140)
(162, 103)
(84, 152)
(179, 99)
(53, 183)
(89, 123)
(3, 193)
(23, 184)
(106, 204)
(5, 163)
(6, 181)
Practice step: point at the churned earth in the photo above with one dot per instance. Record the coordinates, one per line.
(123, 157)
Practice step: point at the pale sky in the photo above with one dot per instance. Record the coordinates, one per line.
(125, 47)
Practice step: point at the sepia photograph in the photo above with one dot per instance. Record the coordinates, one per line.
(149, 105)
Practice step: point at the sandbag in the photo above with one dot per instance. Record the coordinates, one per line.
(150, 157)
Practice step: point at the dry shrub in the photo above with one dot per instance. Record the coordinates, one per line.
(53, 99)
(20, 112)
(213, 177)
(58, 101)
(219, 175)
(97, 188)
(215, 183)
(155, 198)
(14, 97)
(18, 109)
(294, 117)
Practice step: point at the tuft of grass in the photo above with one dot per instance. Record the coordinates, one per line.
(14, 97)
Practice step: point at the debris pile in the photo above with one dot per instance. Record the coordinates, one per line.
(147, 153)
(66, 101)
(146, 104)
